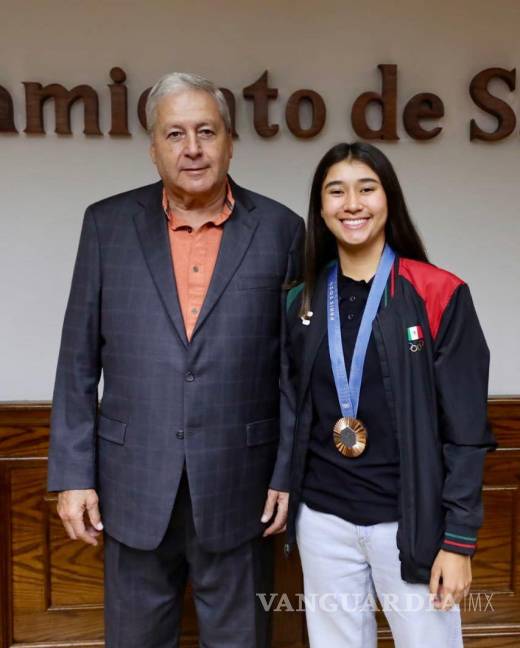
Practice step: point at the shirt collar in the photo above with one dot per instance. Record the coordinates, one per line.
(348, 286)
(176, 222)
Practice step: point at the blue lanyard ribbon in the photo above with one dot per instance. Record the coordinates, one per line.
(348, 390)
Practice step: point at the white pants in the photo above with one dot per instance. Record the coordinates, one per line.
(342, 566)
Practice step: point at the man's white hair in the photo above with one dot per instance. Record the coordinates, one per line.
(178, 81)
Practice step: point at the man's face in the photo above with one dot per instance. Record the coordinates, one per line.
(190, 145)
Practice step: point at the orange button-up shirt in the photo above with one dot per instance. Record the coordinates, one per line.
(194, 254)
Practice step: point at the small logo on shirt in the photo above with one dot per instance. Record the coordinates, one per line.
(415, 338)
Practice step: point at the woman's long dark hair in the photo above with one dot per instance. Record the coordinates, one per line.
(320, 243)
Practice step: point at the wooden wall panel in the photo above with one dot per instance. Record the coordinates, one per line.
(57, 585)
(51, 591)
(493, 562)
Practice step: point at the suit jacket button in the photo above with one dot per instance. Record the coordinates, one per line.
(189, 377)
(180, 434)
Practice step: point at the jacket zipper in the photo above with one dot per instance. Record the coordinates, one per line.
(403, 522)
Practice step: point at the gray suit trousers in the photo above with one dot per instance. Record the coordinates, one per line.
(144, 590)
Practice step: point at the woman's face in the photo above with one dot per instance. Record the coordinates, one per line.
(354, 205)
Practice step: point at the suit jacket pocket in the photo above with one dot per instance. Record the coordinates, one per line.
(266, 431)
(111, 430)
(258, 282)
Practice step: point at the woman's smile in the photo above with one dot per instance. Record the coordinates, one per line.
(354, 223)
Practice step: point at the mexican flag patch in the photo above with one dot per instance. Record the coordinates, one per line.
(415, 333)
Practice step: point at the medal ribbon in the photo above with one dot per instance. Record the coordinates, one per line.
(348, 390)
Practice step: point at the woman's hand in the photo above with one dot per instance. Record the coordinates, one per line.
(455, 571)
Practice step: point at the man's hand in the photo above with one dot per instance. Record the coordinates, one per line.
(455, 571)
(280, 501)
(72, 506)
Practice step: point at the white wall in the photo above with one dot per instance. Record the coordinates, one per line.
(464, 196)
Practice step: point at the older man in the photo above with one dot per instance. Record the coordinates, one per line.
(176, 298)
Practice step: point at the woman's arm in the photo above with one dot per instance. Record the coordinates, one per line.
(461, 363)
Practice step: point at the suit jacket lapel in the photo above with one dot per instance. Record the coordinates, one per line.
(152, 229)
(238, 233)
(314, 334)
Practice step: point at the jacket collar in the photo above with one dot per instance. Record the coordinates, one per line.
(237, 236)
(314, 333)
(150, 222)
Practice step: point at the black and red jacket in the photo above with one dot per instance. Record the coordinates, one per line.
(434, 360)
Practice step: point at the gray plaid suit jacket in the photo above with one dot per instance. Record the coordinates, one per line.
(212, 405)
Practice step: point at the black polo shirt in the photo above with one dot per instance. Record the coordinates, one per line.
(361, 490)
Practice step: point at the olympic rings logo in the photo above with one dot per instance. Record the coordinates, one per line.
(416, 346)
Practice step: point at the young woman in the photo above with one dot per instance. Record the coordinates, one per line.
(390, 369)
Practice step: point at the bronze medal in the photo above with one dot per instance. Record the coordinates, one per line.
(350, 436)
(349, 433)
